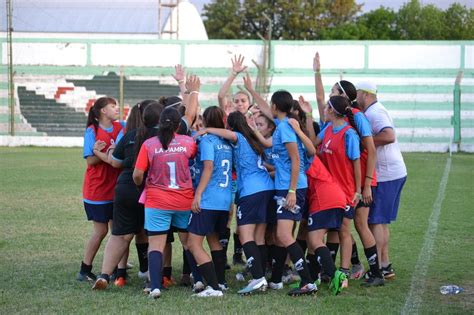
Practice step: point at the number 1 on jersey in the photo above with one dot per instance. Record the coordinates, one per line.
(172, 166)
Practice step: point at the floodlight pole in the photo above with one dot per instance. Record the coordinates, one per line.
(11, 87)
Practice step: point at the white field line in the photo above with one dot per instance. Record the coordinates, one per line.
(414, 297)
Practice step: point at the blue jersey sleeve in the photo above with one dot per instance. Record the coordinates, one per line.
(287, 134)
(119, 136)
(206, 147)
(323, 131)
(89, 141)
(363, 125)
(352, 144)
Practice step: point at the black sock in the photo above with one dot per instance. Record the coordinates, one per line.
(192, 263)
(333, 248)
(142, 253)
(302, 244)
(218, 258)
(224, 240)
(208, 272)
(167, 272)
(279, 257)
(186, 267)
(270, 255)
(237, 246)
(371, 254)
(105, 276)
(155, 261)
(122, 272)
(323, 256)
(253, 259)
(85, 268)
(263, 257)
(314, 266)
(297, 257)
(355, 255)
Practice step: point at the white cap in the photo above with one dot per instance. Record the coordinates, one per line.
(368, 87)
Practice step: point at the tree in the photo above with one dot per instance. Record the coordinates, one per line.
(459, 22)
(417, 22)
(379, 24)
(223, 19)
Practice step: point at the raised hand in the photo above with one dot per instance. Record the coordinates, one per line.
(305, 105)
(248, 82)
(237, 64)
(180, 73)
(316, 63)
(193, 84)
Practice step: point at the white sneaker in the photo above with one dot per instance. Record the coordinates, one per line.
(255, 285)
(156, 293)
(198, 287)
(357, 271)
(224, 287)
(143, 275)
(209, 292)
(275, 286)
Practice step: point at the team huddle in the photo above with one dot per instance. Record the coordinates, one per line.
(172, 170)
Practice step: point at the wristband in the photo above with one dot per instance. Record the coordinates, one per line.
(317, 72)
(367, 176)
(359, 195)
(249, 113)
(193, 92)
(291, 191)
(180, 81)
(234, 73)
(309, 115)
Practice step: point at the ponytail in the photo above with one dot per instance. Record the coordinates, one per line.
(150, 120)
(237, 122)
(94, 112)
(169, 124)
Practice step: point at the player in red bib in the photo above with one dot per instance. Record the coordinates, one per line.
(168, 189)
(100, 177)
(326, 205)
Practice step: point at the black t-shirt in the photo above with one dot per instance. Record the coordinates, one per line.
(125, 152)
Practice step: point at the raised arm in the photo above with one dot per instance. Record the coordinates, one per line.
(224, 133)
(180, 77)
(318, 84)
(237, 67)
(261, 103)
(310, 148)
(306, 107)
(193, 84)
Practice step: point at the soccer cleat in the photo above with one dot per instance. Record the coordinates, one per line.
(86, 276)
(156, 293)
(209, 292)
(223, 286)
(388, 272)
(167, 282)
(337, 282)
(100, 284)
(373, 282)
(357, 271)
(254, 285)
(143, 275)
(308, 289)
(147, 287)
(185, 280)
(198, 287)
(120, 282)
(275, 286)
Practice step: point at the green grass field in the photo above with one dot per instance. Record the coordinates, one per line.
(43, 230)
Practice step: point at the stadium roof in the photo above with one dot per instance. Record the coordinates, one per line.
(86, 16)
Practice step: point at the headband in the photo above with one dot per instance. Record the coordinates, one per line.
(337, 112)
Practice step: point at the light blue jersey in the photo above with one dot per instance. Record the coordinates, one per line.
(268, 156)
(217, 195)
(252, 176)
(284, 133)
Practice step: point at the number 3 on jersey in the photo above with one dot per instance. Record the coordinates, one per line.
(226, 166)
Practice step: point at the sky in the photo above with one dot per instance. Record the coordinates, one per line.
(123, 16)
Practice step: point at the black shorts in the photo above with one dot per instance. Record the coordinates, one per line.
(129, 215)
(208, 221)
(99, 212)
(330, 219)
